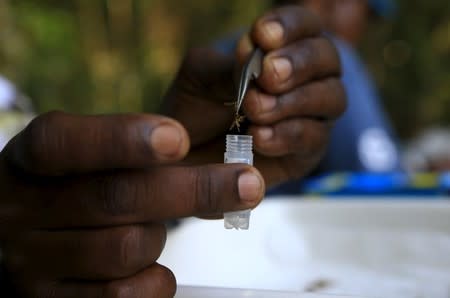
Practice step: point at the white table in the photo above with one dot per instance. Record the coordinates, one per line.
(384, 248)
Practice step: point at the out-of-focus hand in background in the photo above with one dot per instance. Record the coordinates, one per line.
(291, 108)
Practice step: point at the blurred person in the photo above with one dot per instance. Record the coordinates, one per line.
(83, 199)
(363, 139)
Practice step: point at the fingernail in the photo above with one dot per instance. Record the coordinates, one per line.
(274, 31)
(267, 103)
(265, 133)
(283, 68)
(249, 187)
(166, 140)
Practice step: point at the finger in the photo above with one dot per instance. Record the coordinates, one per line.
(284, 25)
(154, 282)
(323, 99)
(102, 254)
(288, 167)
(293, 136)
(153, 195)
(57, 143)
(299, 63)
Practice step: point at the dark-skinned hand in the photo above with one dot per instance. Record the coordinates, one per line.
(83, 198)
(291, 108)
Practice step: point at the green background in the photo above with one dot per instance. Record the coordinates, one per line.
(104, 56)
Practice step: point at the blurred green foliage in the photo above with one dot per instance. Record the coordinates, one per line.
(107, 55)
(410, 57)
(99, 56)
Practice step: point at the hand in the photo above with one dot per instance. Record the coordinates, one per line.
(83, 200)
(292, 107)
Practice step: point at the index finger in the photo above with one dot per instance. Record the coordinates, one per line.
(284, 25)
(278, 28)
(58, 143)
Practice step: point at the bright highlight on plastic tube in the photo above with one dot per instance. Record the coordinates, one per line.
(238, 150)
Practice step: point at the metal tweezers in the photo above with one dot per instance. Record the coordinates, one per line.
(251, 71)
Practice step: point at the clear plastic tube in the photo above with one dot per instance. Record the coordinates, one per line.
(238, 150)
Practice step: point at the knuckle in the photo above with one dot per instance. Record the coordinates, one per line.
(251, 104)
(206, 202)
(333, 99)
(160, 236)
(165, 279)
(116, 289)
(307, 58)
(334, 54)
(337, 88)
(293, 135)
(169, 282)
(302, 137)
(128, 244)
(40, 139)
(293, 103)
(328, 54)
(117, 194)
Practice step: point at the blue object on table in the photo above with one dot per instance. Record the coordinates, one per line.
(372, 184)
(369, 184)
(445, 182)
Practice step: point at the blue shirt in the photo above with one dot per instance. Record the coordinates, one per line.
(362, 139)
